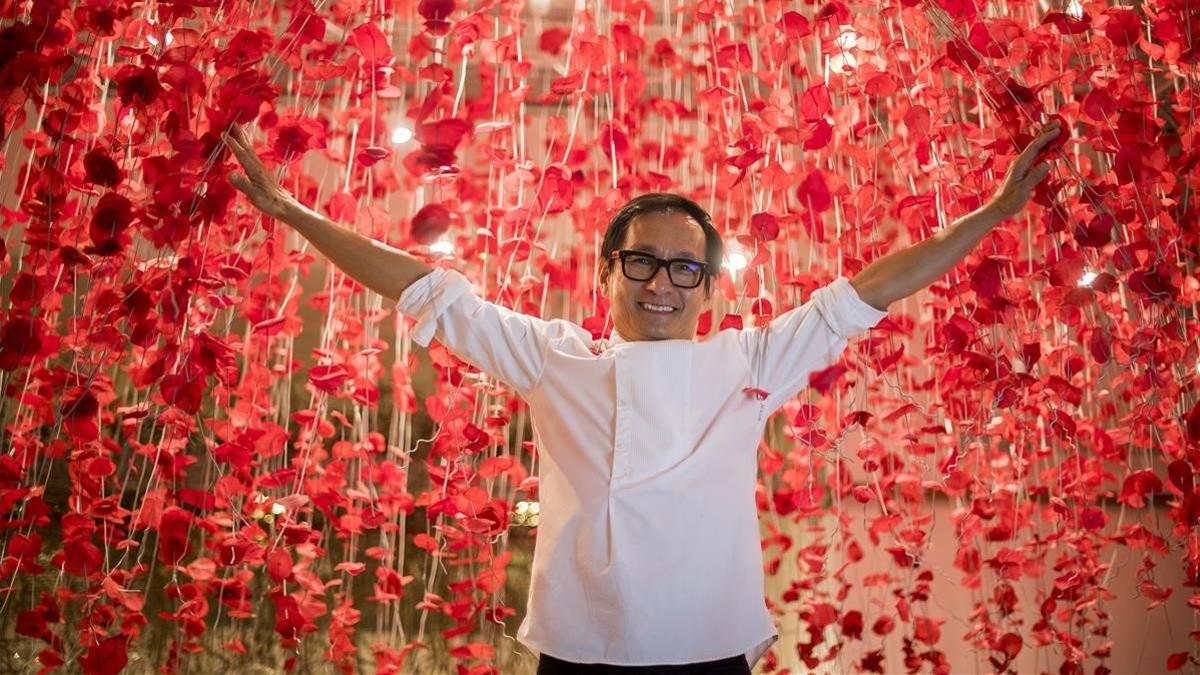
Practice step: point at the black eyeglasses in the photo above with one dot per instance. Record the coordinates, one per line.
(639, 266)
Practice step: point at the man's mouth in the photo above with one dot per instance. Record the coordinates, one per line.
(656, 309)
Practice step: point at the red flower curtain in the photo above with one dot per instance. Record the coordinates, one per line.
(184, 454)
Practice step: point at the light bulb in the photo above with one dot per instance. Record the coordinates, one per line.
(735, 262)
(401, 135)
(442, 246)
(1087, 278)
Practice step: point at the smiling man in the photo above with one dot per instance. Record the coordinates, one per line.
(667, 254)
(647, 557)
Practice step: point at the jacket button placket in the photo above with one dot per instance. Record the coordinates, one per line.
(620, 465)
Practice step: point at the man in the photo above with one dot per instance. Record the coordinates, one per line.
(647, 556)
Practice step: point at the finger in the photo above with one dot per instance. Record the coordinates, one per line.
(238, 181)
(1049, 133)
(1041, 141)
(245, 185)
(246, 155)
(234, 140)
(1036, 175)
(1051, 129)
(1025, 159)
(242, 137)
(234, 135)
(235, 146)
(1020, 165)
(246, 160)
(236, 150)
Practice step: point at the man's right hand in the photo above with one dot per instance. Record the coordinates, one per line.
(374, 264)
(257, 183)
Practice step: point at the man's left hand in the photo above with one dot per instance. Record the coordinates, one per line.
(1024, 175)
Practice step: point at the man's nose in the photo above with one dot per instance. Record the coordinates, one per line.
(661, 279)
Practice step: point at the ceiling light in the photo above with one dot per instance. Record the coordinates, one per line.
(401, 135)
(735, 261)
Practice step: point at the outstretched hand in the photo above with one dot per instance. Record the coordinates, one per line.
(1024, 174)
(257, 183)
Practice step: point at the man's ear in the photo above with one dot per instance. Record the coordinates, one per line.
(603, 272)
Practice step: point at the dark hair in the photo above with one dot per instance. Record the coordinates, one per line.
(659, 202)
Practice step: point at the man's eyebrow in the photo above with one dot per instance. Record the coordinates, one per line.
(645, 248)
(673, 255)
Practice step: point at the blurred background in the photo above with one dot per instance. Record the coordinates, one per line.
(220, 453)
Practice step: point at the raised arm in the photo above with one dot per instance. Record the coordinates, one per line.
(379, 267)
(903, 273)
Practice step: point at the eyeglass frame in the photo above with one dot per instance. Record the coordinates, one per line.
(658, 264)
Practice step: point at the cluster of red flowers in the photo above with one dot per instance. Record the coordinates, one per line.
(166, 456)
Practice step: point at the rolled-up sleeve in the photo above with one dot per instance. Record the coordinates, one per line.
(507, 345)
(808, 338)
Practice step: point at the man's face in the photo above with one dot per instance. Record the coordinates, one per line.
(638, 306)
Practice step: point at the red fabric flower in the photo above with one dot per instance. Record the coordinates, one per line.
(101, 169)
(108, 657)
(430, 222)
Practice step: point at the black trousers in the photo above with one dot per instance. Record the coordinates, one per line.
(733, 665)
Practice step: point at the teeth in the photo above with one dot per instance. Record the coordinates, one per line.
(657, 308)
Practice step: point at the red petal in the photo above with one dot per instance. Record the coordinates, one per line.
(552, 40)
(109, 657)
(813, 192)
(443, 133)
(1067, 24)
(986, 280)
(1177, 660)
(1181, 475)
(352, 568)
(823, 380)
(1193, 423)
(764, 226)
(794, 25)
(372, 44)
(430, 222)
(100, 169)
(435, 10)
(279, 565)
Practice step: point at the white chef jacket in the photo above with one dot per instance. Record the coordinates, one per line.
(648, 543)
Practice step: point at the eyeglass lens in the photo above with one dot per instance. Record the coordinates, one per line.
(642, 267)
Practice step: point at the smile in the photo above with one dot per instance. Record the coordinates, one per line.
(656, 309)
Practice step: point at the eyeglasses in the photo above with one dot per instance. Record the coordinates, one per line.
(639, 266)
